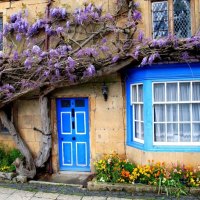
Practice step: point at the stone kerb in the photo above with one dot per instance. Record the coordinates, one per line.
(131, 188)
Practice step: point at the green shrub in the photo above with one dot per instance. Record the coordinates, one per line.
(7, 157)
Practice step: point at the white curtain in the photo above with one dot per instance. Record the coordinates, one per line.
(166, 129)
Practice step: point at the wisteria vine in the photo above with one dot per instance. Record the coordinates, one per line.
(81, 44)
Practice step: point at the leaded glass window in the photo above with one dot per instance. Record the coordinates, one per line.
(182, 20)
(179, 16)
(160, 19)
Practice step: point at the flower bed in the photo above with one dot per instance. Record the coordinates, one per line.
(172, 179)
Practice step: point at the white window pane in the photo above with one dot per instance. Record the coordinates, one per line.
(172, 92)
(184, 91)
(159, 113)
(196, 112)
(136, 110)
(172, 132)
(159, 133)
(137, 130)
(159, 92)
(140, 93)
(185, 132)
(172, 112)
(141, 112)
(134, 93)
(142, 130)
(196, 132)
(184, 112)
(196, 91)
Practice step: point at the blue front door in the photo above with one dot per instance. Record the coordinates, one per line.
(73, 134)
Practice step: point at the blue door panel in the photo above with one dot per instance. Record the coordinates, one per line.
(80, 119)
(67, 153)
(82, 154)
(66, 122)
(73, 134)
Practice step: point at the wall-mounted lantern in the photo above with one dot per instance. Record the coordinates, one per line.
(105, 91)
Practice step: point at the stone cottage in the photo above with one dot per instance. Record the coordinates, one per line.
(151, 113)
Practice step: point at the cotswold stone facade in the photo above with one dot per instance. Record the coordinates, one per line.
(107, 119)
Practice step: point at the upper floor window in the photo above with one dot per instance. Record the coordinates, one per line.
(176, 20)
(1, 30)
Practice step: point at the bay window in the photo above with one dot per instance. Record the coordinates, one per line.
(163, 107)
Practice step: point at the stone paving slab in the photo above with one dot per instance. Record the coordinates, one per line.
(46, 195)
(94, 198)
(4, 196)
(69, 197)
(21, 195)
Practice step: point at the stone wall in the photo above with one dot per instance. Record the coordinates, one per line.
(141, 157)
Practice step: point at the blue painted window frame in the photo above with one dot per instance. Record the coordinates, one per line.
(147, 75)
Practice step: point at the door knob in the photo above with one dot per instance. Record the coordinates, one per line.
(73, 138)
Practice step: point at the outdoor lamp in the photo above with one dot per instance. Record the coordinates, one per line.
(105, 91)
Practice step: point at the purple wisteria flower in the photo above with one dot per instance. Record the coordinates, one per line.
(68, 24)
(140, 36)
(58, 13)
(71, 62)
(87, 52)
(28, 63)
(49, 30)
(104, 48)
(137, 16)
(36, 49)
(15, 56)
(35, 28)
(18, 37)
(59, 30)
(115, 58)
(90, 71)
(88, 14)
(53, 53)
(144, 61)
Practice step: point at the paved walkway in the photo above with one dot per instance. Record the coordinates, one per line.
(27, 191)
(14, 194)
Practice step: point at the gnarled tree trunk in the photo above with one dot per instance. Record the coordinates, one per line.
(46, 134)
(27, 167)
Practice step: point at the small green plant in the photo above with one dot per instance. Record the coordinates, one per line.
(7, 157)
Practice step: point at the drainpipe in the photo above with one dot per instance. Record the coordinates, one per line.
(46, 48)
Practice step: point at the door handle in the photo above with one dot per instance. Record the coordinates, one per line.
(73, 125)
(73, 138)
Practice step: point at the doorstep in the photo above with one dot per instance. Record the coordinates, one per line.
(78, 179)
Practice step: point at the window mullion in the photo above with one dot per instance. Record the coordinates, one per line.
(165, 112)
(178, 112)
(171, 16)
